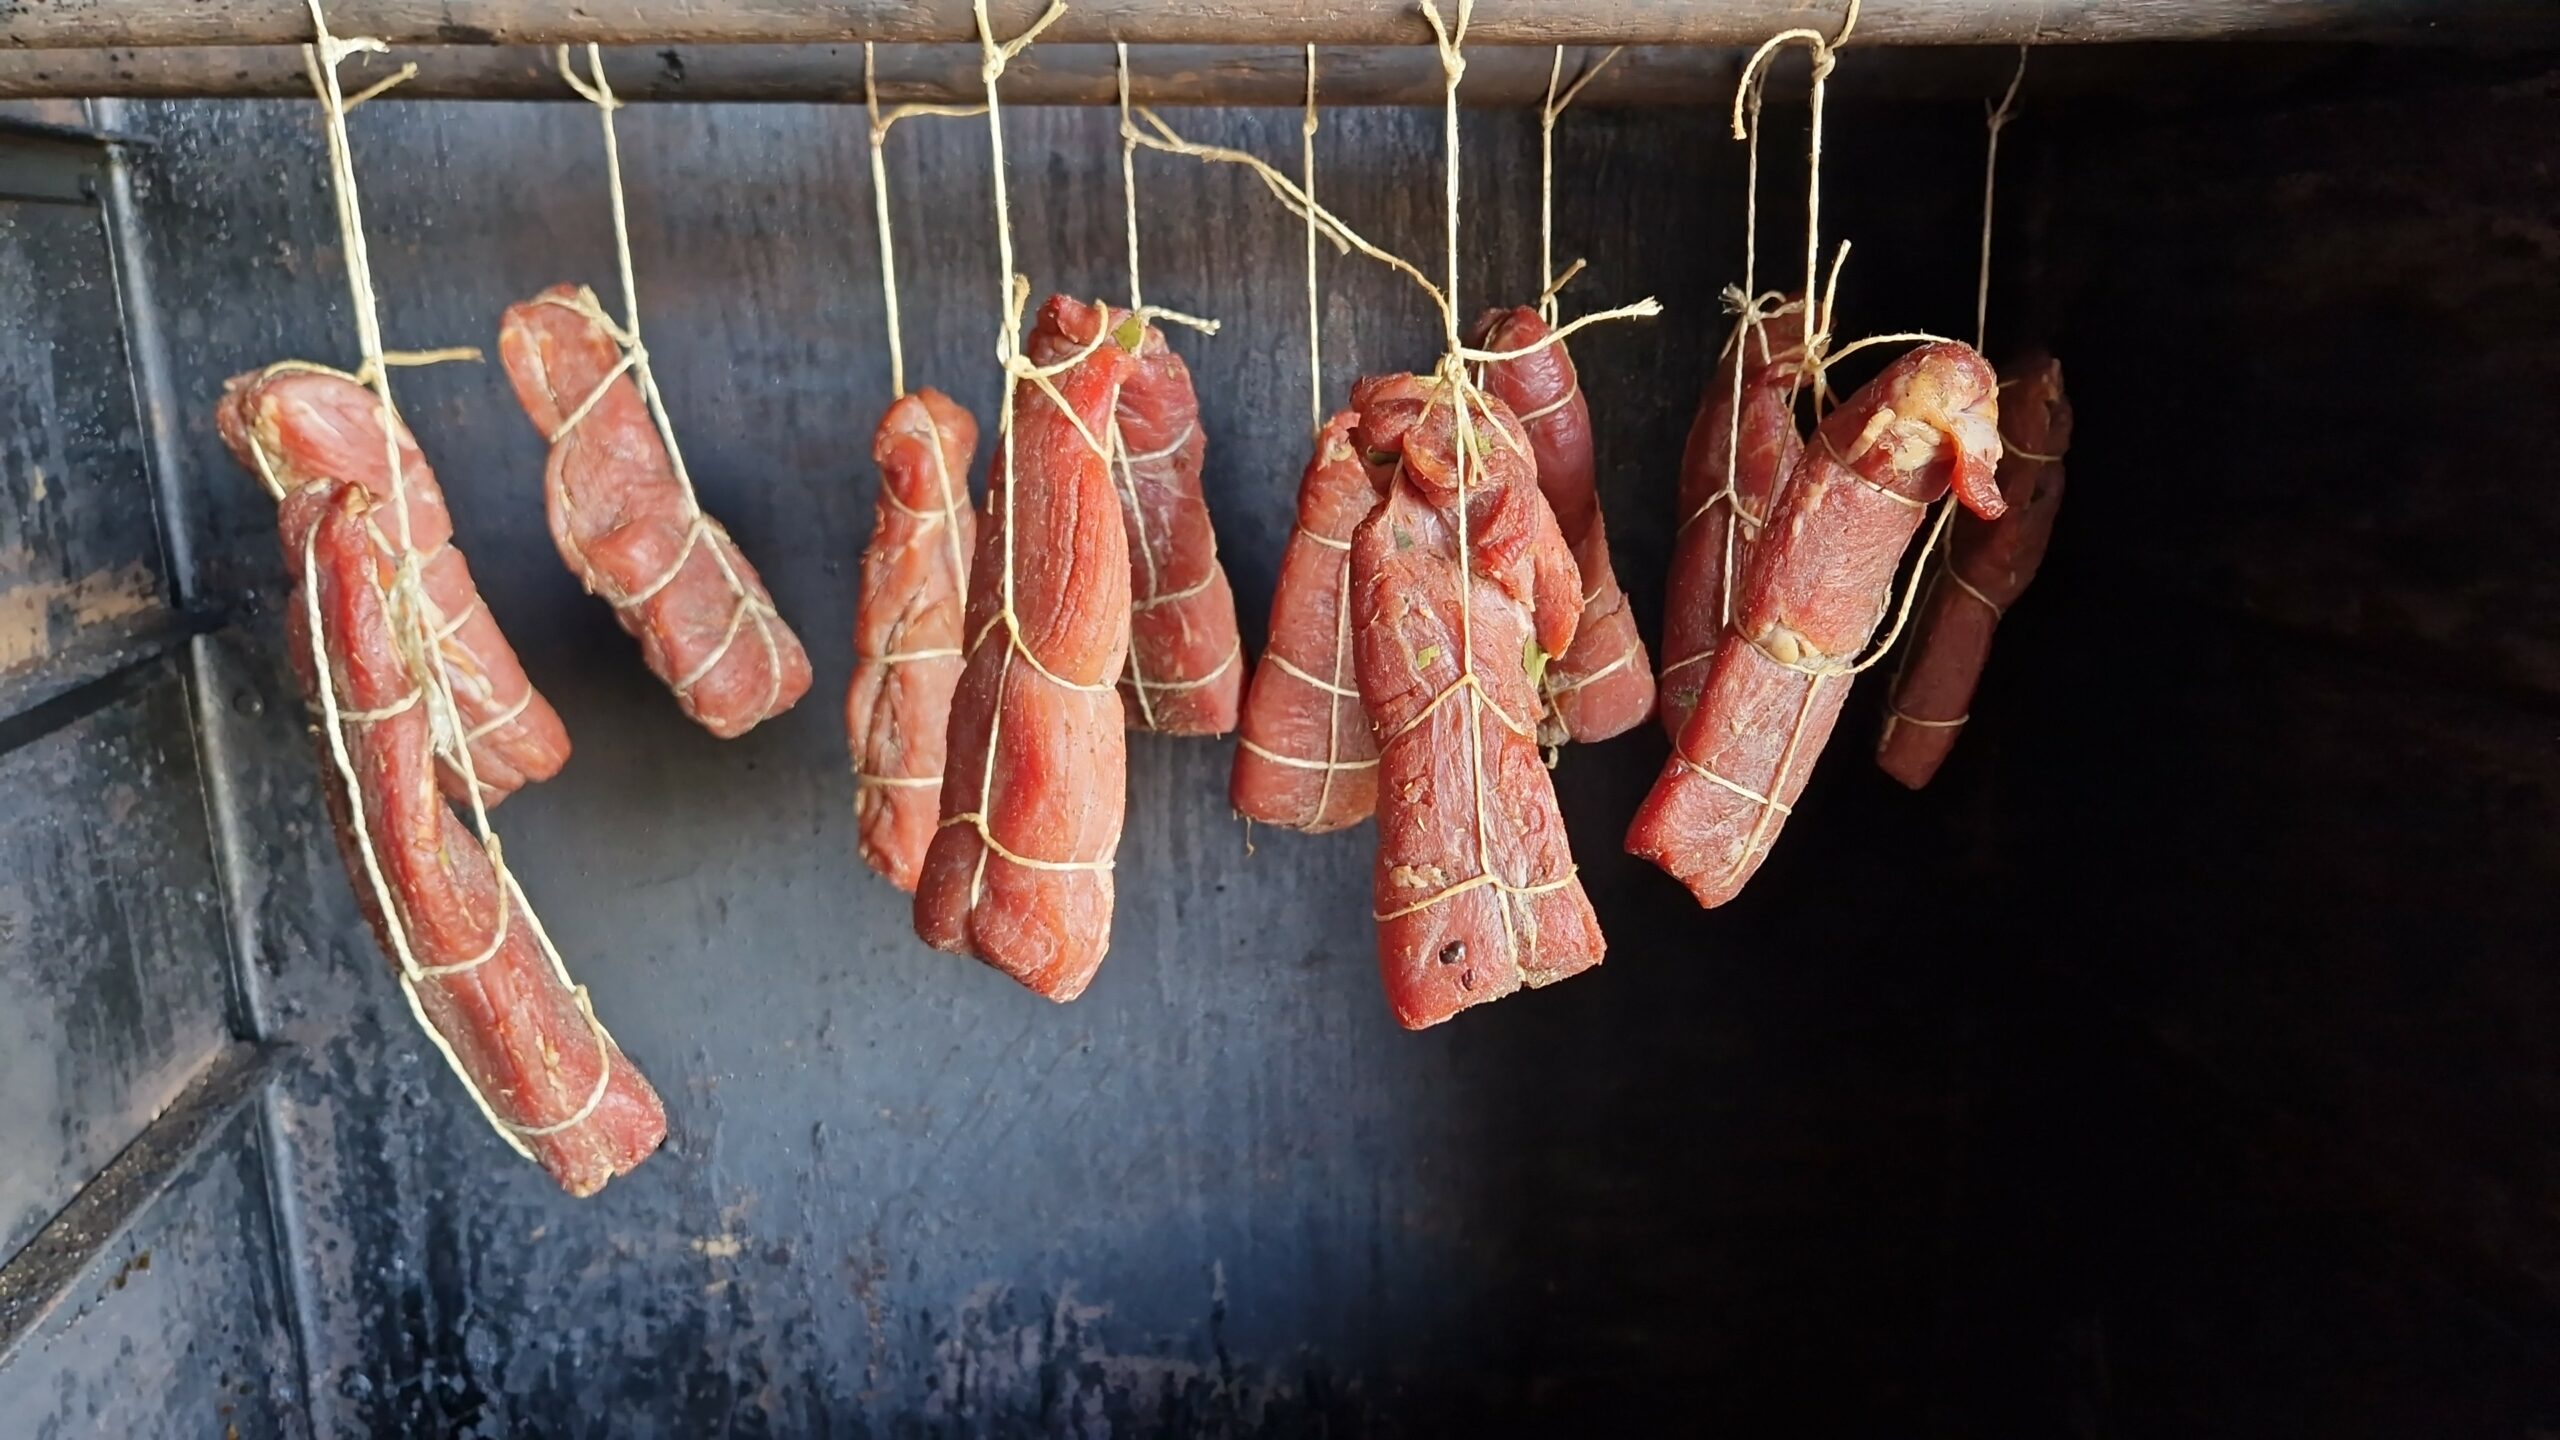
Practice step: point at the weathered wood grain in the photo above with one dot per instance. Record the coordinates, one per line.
(114, 983)
(81, 579)
(83, 24)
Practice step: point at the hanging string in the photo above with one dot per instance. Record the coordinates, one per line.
(880, 124)
(416, 622)
(1548, 281)
(1990, 171)
(746, 607)
(1315, 343)
(1825, 57)
(1129, 176)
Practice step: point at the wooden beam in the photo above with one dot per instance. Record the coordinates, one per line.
(1044, 75)
(93, 24)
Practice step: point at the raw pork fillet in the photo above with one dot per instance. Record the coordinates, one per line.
(1036, 782)
(631, 533)
(1458, 580)
(1304, 756)
(305, 430)
(520, 1035)
(907, 628)
(1818, 583)
(1603, 686)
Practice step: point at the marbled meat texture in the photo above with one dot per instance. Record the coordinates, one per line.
(1186, 668)
(1717, 530)
(308, 430)
(631, 533)
(518, 1032)
(1305, 757)
(1603, 686)
(1990, 563)
(1819, 581)
(1019, 874)
(907, 628)
(1453, 590)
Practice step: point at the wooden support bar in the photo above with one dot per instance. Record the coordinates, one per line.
(95, 24)
(1044, 75)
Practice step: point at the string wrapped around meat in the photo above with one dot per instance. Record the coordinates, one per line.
(1034, 787)
(1603, 686)
(1818, 582)
(907, 628)
(472, 961)
(1718, 525)
(1305, 757)
(1186, 664)
(628, 525)
(304, 430)
(1460, 578)
(1989, 565)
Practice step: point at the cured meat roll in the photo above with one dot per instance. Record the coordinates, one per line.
(476, 973)
(1305, 757)
(1458, 581)
(305, 430)
(1989, 565)
(907, 628)
(1718, 530)
(629, 529)
(1186, 666)
(1818, 583)
(1033, 791)
(1603, 686)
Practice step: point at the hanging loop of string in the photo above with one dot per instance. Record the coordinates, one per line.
(880, 124)
(1549, 282)
(416, 623)
(1315, 342)
(1998, 122)
(1825, 57)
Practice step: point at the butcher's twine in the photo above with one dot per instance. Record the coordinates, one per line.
(416, 623)
(748, 607)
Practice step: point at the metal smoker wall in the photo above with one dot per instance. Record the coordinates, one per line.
(901, 1194)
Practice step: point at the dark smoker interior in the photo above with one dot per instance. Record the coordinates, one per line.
(2181, 1063)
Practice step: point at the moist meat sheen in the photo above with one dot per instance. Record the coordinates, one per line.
(1186, 668)
(630, 531)
(1717, 529)
(1458, 581)
(305, 430)
(1305, 757)
(1603, 686)
(516, 1030)
(907, 628)
(1818, 582)
(1019, 873)
(1990, 563)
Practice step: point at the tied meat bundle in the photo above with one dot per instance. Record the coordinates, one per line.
(1185, 670)
(1305, 756)
(1033, 792)
(907, 628)
(472, 961)
(1603, 686)
(1460, 581)
(1989, 565)
(1745, 433)
(629, 528)
(305, 430)
(1818, 582)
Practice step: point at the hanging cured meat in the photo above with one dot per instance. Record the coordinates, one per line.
(1186, 668)
(1033, 791)
(1603, 686)
(470, 958)
(304, 429)
(1718, 529)
(1989, 565)
(1305, 757)
(630, 529)
(1458, 582)
(907, 628)
(1818, 582)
